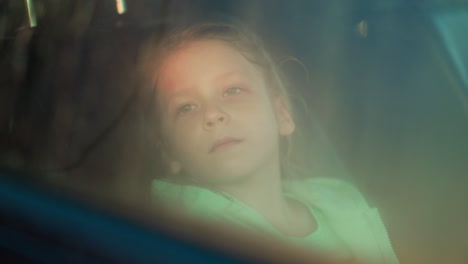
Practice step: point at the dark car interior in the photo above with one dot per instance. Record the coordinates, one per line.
(385, 89)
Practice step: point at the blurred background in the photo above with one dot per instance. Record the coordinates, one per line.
(385, 82)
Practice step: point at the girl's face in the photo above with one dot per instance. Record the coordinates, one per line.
(219, 121)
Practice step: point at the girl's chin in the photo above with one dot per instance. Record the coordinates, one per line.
(226, 176)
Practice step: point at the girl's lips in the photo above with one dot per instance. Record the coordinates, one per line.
(223, 143)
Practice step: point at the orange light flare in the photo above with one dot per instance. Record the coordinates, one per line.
(121, 6)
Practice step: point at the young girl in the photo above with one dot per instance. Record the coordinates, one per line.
(225, 125)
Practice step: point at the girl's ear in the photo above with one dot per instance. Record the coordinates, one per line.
(286, 125)
(175, 167)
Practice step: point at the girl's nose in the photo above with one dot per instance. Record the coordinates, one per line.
(214, 116)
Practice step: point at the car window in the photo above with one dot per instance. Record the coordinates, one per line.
(379, 91)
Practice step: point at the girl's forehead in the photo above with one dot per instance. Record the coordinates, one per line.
(202, 53)
(200, 61)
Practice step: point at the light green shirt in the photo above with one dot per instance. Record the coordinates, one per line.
(323, 240)
(347, 226)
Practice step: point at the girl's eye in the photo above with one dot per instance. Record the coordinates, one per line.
(186, 109)
(232, 91)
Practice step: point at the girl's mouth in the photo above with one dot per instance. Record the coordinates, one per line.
(224, 143)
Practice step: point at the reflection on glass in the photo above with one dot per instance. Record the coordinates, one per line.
(31, 13)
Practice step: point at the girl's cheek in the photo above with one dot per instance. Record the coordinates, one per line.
(187, 122)
(242, 102)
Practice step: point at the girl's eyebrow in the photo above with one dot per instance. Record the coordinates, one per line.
(230, 74)
(176, 98)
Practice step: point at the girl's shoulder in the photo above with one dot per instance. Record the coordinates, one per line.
(189, 196)
(327, 192)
